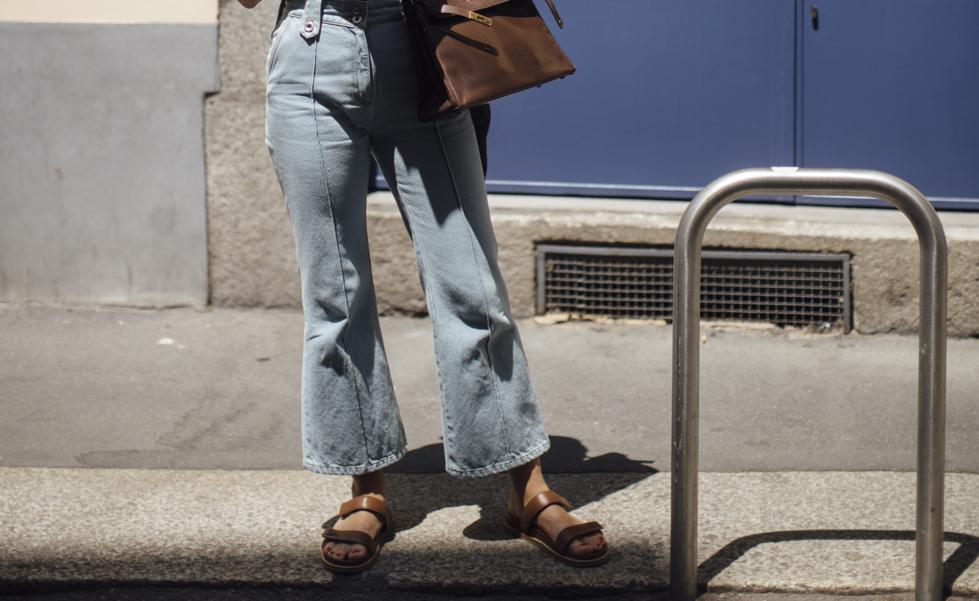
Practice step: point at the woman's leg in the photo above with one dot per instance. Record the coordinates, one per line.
(491, 417)
(316, 134)
(317, 137)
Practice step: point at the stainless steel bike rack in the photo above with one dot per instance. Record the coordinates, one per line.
(931, 346)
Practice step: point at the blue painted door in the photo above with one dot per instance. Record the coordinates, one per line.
(667, 96)
(893, 85)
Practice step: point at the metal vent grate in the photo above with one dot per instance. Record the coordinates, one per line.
(785, 288)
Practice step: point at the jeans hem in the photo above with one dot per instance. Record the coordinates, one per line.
(354, 470)
(502, 466)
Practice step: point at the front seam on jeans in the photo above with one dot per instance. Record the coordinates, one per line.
(482, 288)
(423, 267)
(336, 237)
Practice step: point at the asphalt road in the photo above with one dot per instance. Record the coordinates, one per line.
(219, 388)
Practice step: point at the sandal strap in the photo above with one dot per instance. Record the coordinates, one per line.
(350, 536)
(368, 503)
(536, 505)
(564, 537)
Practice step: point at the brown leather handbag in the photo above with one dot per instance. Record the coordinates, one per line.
(474, 51)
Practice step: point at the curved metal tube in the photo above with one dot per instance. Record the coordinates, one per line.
(686, 354)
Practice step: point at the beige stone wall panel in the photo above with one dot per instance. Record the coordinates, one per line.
(251, 248)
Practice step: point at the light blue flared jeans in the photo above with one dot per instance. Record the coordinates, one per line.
(344, 84)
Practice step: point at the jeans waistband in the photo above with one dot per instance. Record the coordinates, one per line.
(362, 12)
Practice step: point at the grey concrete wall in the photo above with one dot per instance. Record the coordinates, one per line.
(253, 254)
(102, 186)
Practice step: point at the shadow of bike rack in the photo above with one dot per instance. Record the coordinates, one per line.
(686, 354)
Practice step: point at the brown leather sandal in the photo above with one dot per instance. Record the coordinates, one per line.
(525, 527)
(373, 545)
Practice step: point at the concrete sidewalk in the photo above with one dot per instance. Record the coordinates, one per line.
(830, 532)
(130, 437)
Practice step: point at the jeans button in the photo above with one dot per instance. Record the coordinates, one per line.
(309, 26)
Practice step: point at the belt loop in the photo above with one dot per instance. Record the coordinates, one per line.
(311, 18)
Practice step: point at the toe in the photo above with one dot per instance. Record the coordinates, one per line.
(339, 551)
(580, 547)
(588, 544)
(357, 552)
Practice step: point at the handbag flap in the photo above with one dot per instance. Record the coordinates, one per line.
(434, 7)
(448, 8)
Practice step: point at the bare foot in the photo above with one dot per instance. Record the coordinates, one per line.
(555, 518)
(365, 521)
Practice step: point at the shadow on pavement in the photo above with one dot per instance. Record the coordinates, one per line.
(956, 564)
(566, 455)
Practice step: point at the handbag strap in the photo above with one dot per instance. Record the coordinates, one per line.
(477, 4)
(557, 16)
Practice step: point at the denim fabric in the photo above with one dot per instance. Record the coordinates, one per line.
(334, 99)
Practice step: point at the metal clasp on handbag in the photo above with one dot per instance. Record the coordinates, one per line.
(448, 9)
(480, 18)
